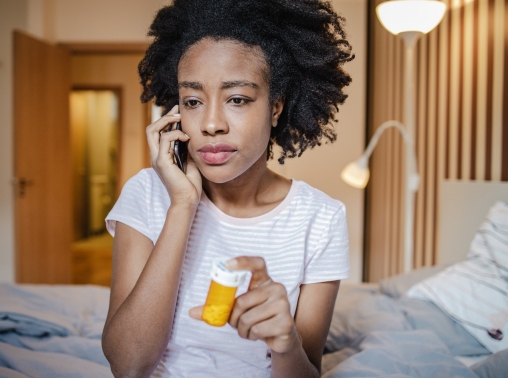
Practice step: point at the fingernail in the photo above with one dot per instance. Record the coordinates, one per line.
(187, 136)
(231, 264)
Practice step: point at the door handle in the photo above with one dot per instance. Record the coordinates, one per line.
(21, 185)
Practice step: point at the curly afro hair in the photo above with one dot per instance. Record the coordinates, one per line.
(304, 44)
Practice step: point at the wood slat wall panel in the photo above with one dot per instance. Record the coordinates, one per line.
(461, 130)
(490, 79)
(399, 150)
(442, 115)
(497, 96)
(430, 148)
(504, 172)
(481, 80)
(467, 93)
(420, 147)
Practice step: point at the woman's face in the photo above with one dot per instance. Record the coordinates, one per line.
(225, 107)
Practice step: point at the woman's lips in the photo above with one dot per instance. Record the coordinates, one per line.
(216, 153)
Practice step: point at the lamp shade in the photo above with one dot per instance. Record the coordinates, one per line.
(399, 16)
(356, 173)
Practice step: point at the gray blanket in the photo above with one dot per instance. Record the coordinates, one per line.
(52, 331)
(416, 353)
(374, 335)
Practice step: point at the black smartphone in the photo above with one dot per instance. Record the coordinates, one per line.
(181, 150)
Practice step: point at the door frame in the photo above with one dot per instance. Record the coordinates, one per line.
(94, 48)
(111, 48)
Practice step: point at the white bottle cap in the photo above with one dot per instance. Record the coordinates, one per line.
(224, 276)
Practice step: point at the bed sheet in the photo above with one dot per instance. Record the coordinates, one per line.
(373, 335)
(52, 331)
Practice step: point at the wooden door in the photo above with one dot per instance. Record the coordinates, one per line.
(43, 206)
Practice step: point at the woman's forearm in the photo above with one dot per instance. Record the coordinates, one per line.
(294, 363)
(137, 334)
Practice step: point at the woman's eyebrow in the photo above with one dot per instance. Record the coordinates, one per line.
(239, 83)
(225, 84)
(192, 85)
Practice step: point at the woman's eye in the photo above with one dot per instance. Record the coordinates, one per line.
(191, 103)
(239, 101)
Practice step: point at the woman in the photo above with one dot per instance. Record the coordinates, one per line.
(240, 76)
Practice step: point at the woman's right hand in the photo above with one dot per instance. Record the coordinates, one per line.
(183, 188)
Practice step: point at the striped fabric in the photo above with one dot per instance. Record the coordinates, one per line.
(303, 241)
(475, 292)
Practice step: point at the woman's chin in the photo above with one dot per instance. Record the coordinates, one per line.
(221, 174)
(218, 174)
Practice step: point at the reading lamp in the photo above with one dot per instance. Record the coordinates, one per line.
(409, 19)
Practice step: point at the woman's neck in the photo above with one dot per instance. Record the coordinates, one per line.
(254, 193)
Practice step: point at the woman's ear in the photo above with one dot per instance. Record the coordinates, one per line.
(277, 107)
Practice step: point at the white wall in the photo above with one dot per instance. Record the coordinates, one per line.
(321, 166)
(13, 15)
(92, 20)
(128, 21)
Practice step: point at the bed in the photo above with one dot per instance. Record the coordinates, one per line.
(436, 321)
(377, 329)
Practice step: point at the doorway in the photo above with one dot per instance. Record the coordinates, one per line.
(95, 130)
(107, 80)
(95, 120)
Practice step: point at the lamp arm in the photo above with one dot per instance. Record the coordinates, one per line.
(380, 130)
(409, 144)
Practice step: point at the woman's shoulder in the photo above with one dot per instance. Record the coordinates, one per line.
(146, 178)
(316, 200)
(146, 185)
(143, 175)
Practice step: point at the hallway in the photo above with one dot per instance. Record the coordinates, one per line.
(91, 260)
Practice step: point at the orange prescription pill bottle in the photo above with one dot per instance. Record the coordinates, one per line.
(221, 295)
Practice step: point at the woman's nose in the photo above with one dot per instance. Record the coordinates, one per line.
(214, 122)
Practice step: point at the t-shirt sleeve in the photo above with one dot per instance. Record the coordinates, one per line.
(132, 206)
(330, 259)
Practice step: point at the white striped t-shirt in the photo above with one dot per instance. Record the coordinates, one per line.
(303, 241)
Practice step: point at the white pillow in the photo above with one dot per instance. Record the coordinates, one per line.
(491, 240)
(475, 292)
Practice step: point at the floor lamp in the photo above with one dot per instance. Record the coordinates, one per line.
(408, 19)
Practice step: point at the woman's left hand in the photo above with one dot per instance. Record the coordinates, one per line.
(263, 312)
